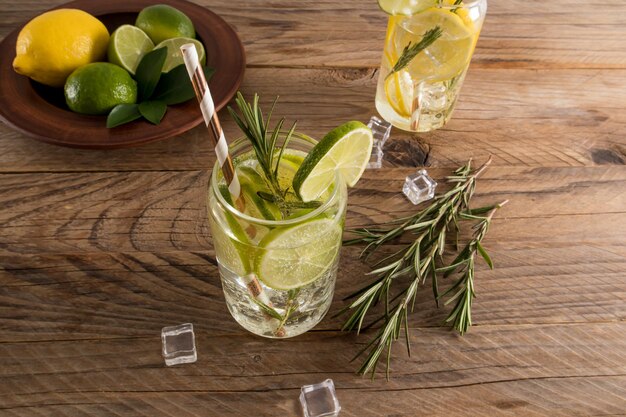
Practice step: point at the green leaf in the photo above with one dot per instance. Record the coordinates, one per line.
(153, 111)
(123, 113)
(484, 254)
(175, 87)
(149, 71)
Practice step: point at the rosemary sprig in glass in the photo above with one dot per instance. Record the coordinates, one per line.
(418, 262)
(263, 140)
(410, 51)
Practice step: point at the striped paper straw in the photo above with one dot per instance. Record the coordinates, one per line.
(203, 94)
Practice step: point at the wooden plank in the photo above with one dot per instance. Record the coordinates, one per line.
(557, 370)
(522, 117)
(104, 295)
(564, 34)
(164, 211)
(122, 248)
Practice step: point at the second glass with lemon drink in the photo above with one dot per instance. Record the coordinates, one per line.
(417, 92)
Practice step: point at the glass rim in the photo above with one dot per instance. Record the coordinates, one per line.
(468, 4)
(241, 142)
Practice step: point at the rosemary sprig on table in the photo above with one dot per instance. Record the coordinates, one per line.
(410, 51)
(418, 262)
(256, 128)
(463, 289)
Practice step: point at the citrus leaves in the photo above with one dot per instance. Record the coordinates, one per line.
(156, 90)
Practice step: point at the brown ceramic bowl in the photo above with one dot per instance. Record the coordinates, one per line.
(40, 112)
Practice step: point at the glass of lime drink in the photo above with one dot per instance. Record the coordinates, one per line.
(421, 95)
(278, 259)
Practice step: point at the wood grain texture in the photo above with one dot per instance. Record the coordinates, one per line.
(496, 370)
(99, 250)
(134, 237)
(516, 34)
(522, 117)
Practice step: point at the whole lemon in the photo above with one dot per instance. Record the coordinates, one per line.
(55, 43)
(97, 88)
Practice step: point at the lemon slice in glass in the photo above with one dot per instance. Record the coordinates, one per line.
(399, 91)
(448, 55)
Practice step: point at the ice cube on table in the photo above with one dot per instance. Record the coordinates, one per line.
(376, 159)
(179, 344)
(419, 187)
(380, 131)
(319, 400)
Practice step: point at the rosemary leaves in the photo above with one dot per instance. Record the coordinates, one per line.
(418, 262)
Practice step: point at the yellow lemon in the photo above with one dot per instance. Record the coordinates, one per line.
(52, 45)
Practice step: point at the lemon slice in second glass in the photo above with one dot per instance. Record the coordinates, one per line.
(128, 44)
(346, 149)
(448, 55)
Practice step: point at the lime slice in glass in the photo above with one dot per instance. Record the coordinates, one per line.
(230, 240)
(174, 56)
(298, 255)
(346, 149)
(405, 7)
(251, 183)
(128, 44)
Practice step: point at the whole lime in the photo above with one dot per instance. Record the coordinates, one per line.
(97, 88)
(162, 22)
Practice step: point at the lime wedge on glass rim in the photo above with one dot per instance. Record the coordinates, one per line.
(405, 7)
(287, 258)
(128, 44)
(346, 149)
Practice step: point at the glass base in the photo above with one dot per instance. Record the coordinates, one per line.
(436, 104)
(275, 313)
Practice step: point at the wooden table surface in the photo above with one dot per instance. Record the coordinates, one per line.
(99, 250)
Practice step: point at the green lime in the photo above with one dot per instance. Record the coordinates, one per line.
(231, 242)
(174, 56)
(405, 7)
(251, 183)
(163, 22)
(346, 148)
(97, 88)
(298, 255)
(127, 46)
(287, 168)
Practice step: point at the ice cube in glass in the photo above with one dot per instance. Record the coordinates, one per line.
(179, 344)
(419, 187)
(319, 400)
